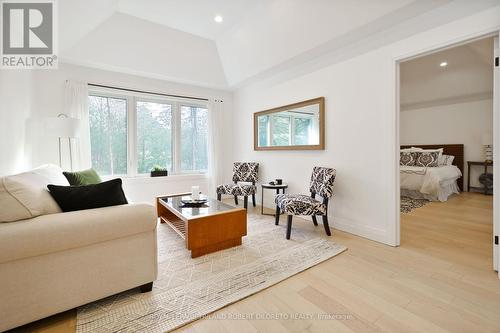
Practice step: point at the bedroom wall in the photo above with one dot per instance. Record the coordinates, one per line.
(360, 128)
(447, 124)
(47, 100)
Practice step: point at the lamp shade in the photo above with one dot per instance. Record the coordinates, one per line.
(62, 127)
(487, 139)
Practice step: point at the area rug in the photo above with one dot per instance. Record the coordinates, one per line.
(409, 204)
(188, 289)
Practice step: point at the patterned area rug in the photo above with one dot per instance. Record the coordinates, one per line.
(409, 204)
(188, 289)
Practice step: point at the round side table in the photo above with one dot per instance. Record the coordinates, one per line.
(268, 186)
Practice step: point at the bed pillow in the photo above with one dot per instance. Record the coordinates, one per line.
(412, 149)
(427, 159)
(439, 151)
(446, 160)
(407, 158)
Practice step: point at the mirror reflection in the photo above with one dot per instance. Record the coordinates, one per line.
(289, 127)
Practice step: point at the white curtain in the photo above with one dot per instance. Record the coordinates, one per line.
(215, 109)
(76, 96)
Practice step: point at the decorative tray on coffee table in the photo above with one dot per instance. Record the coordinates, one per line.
(188, 201)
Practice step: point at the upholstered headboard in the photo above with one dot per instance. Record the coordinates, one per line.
(456, 150)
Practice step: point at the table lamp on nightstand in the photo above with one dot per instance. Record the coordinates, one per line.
(488, 147)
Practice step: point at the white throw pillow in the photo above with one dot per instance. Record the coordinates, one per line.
(12, 209)
(52, 173)
(446, 160)
(29, 190)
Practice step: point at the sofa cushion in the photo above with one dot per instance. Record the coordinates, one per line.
(84, 177)
(58, 232)
(71, 198)
(25, 195)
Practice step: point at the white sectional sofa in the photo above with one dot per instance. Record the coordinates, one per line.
(52, 261)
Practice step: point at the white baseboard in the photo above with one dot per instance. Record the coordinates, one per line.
(353, 227)
(346, 225)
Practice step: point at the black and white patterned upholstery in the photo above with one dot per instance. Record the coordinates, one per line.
(322, 181)
(243, 172)
(237, 189)
(299, 204)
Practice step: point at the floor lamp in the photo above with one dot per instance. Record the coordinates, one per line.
(63, 127)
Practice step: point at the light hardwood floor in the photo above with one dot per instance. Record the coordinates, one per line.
(439, 280)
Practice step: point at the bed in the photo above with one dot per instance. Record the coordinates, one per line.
(434, 183)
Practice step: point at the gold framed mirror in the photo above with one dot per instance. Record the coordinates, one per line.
(298, 126)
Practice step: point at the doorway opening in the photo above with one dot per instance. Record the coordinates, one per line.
(448, 107)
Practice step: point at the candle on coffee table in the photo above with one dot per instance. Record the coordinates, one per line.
(195, 192)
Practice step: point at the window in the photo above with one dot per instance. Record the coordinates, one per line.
(302, 131)
(288, 128)
(263, 131)
(154, 136)
(131, 134)
(194, 133)
(108, 134)
(281, 130)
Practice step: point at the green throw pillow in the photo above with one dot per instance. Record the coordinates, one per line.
(85, 177)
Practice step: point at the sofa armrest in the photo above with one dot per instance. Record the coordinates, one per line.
(58, 232)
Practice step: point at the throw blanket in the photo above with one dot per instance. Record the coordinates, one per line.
(428, 180)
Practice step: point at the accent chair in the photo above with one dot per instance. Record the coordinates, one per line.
(299, 204)
(243, 172)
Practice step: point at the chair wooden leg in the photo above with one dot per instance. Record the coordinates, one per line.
(289, 226)
(219, 196)
(253, 199)
(277, 216)
(315, 221)
(245, 202)
(145, 288)
(325, 224)
(236, 200)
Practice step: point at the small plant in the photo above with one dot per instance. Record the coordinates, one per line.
(158, 168)
(159, 171)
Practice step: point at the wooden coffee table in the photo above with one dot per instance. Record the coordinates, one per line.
(212, 227)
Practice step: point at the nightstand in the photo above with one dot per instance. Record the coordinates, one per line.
(483, 164)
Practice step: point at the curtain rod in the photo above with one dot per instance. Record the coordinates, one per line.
(147, 92)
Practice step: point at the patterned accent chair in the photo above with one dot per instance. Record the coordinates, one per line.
(246, 172)
(299, 204)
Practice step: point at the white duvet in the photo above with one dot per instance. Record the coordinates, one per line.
(428, 181)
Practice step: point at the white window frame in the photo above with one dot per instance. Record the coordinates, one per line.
(291, 126)
(132, 99)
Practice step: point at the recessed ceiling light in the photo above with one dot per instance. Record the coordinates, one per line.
(443, 64)
(218, 19)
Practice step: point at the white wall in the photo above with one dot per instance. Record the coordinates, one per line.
(448, 124)
(15, 110)
(146, 189)
(360, 128)
(46, 98)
